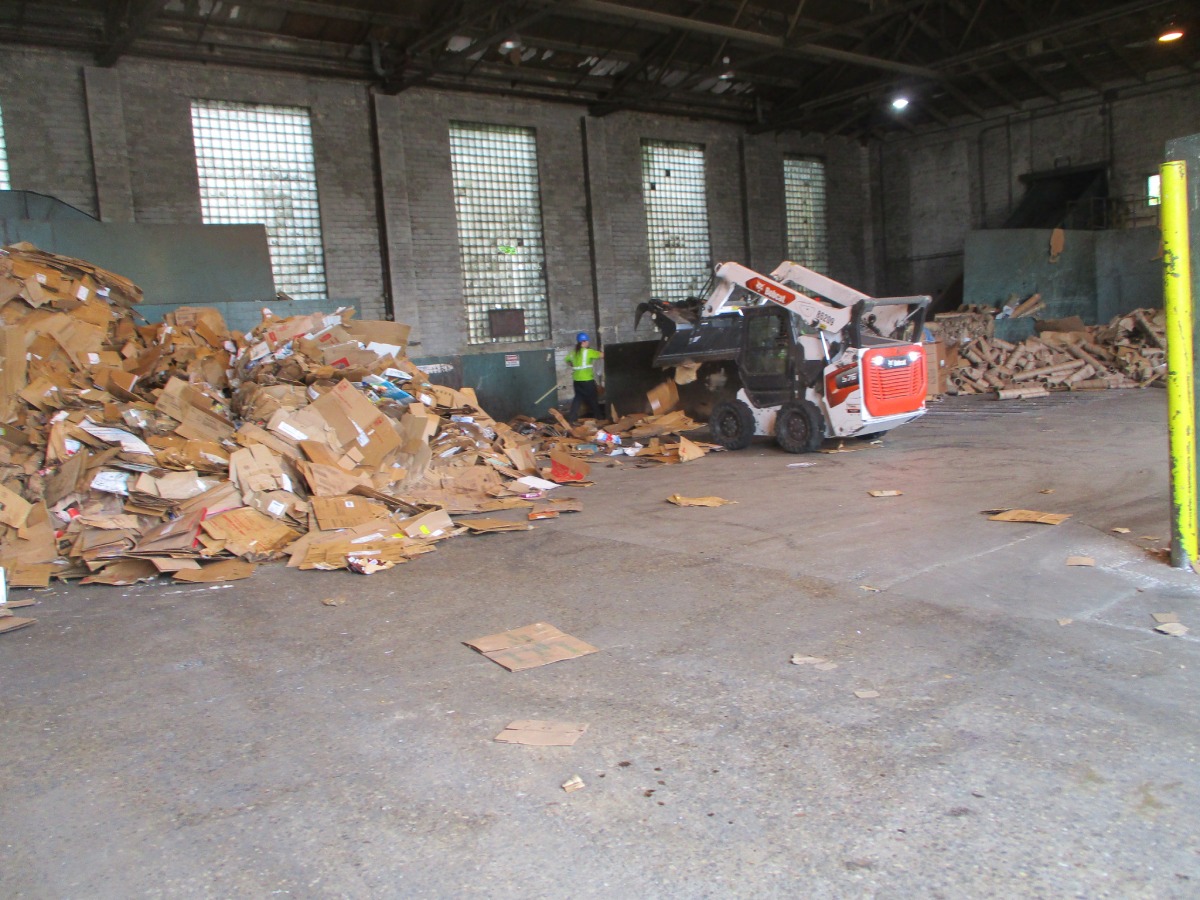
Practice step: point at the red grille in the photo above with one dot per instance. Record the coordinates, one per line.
(889, 384)
(891, 391)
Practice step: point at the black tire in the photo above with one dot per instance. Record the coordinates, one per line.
(798, 427)
(732, 424)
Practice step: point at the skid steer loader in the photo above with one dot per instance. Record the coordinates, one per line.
(796, 355)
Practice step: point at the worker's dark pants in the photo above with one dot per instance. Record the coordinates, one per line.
(585, 392)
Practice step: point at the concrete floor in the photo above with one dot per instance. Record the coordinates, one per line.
(247, 741)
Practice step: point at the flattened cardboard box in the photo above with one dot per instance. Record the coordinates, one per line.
(536, 733)
(344, 511)
(529, 647)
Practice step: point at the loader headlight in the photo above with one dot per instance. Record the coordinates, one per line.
(877, 360)
(914, 355)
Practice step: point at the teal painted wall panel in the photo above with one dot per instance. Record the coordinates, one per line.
(507, 384)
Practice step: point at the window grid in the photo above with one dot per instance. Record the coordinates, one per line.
(255, 164)
(498, 209)
(804, 200)
(673, 188)
(5, 182)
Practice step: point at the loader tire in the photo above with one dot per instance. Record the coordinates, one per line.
(732, 424)
(798, 427)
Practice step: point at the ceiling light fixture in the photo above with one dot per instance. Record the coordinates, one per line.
(899, 103)
(1171, 33)
(513, 43)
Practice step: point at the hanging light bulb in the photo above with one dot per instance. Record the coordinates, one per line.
(900, 102)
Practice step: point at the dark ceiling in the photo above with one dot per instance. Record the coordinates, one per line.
(829, 66)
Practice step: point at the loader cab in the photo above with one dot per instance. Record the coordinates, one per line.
(771, 363)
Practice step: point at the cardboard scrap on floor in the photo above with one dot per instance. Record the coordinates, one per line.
(14, 623)
(529, 647)
(680, 500)
(484, 525)
(1175, 629)
(1080, 561)
(819, 663)
(886, 493)
(574, 783)
(1026, 515)
(213, 573)
(866, 695)
(537, 733)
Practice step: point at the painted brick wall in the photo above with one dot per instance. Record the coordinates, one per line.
(933, 188)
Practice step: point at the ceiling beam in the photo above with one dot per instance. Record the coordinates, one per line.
(341, 12)
(743, 36)
(127, 21)
(1070, 24)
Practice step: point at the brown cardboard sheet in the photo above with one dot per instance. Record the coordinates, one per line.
(526, 648)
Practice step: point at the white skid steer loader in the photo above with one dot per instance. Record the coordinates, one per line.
(796, 355)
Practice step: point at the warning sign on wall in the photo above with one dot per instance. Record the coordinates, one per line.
(512, 361)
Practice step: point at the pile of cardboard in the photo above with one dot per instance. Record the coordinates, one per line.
(1129, 352)
(132, 449)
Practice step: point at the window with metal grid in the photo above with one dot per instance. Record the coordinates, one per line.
(5, 183)
(673, 189)
(498, 208)
(804, 202)
(255, 164)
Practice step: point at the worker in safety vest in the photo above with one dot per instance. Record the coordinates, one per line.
(581, 361)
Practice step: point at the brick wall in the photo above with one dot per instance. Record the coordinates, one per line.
(134, 121)
(933, 188)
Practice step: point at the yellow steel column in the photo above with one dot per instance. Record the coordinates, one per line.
(1181, 384)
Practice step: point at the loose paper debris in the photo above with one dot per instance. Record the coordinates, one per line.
(1065, 621)
(801, 465)
(886, 493)
(1121, 531)
(365, 565)
(529, 647)
(680, 500)
(541, 734)
(334, 601)
(574, 783)
(1175, 629)
(866, 695)
(1027, 515)
(1080, 561)
(870, 589)
(1165, 618)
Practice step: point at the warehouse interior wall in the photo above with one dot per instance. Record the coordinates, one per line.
(117, 143)
(932, 189)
